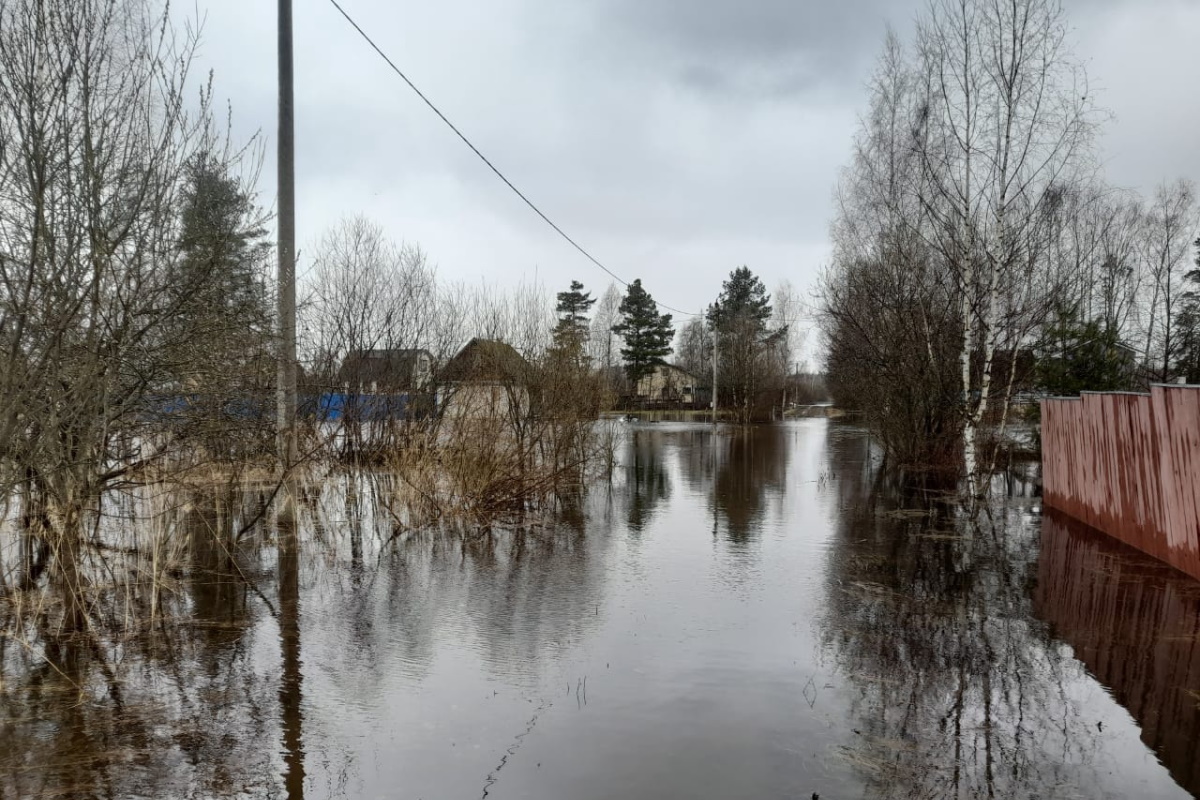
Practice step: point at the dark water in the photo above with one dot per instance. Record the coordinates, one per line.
(741, 615)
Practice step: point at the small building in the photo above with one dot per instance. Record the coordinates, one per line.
(487, 378)
(386, 371)
(374, 385)
(671, 385)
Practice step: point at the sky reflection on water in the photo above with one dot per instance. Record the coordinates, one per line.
(741, 614)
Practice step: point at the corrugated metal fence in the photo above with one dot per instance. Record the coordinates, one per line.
(1129, 464)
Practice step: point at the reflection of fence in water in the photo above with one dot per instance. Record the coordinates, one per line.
(1135, 623)
(1129, 464)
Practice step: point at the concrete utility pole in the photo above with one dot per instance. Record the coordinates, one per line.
(714, 391)
(285, 394)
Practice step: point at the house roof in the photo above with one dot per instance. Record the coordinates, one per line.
(674, 375)
(678, 368)
(486, 361)
(696, 379)
(395, 368)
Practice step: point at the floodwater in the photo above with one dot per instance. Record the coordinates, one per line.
(740, 615)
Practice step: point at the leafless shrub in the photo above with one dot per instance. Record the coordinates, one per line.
(464, 393)
(112, 371)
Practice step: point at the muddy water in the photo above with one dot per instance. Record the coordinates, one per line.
(741, 614)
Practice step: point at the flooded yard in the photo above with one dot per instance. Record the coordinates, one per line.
(748, 614)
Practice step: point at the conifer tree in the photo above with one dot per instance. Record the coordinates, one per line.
(740, 316)
(571, 332)
(647, 333)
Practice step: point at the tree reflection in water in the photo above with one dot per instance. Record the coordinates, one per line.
(738, 468)
(647, 482)
(132, 707)
(189, 704)
(751, 466)
(957, 691)
(279, 663)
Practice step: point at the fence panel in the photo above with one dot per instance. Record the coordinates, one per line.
(1129, 465)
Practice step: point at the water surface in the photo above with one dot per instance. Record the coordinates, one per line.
(740, 614)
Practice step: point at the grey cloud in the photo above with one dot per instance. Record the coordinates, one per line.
(675, 138)
(781, 83)
(750, 30)
(764, 46)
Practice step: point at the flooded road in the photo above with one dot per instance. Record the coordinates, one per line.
(741, 614)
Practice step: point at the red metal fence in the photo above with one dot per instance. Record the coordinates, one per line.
(1129, 464)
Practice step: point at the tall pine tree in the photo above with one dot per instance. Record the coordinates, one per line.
(740, 316)
(744, 304)
(647, 333)
(219, 339)
(571, 332)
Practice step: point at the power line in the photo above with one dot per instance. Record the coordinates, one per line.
(485, 160)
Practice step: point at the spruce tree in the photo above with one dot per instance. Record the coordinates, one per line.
(221, 325)
(221, 245)
(647, 333)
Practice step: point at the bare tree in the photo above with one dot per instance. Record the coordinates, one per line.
(522, 316)
(1170, 226)
(1092, 231)
(785, 316)
(604, 346)
(887, 306)
(97, 138)
(950, 211)
(1117, 278)
(1004, 125)
(372, 336)
(694, 351)
(367, 293)
(602, 342)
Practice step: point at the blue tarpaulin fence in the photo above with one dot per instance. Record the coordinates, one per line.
(356, 407)
(329, 406)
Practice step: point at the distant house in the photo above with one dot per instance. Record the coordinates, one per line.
(386, 371)
(379, 384)
(487, 378)
(671, 385)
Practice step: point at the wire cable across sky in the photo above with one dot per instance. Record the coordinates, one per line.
(490, 165)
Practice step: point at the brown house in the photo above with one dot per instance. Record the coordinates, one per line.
(387, 371)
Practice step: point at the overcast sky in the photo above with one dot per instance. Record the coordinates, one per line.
(676, 139)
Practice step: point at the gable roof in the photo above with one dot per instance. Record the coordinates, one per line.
(486, 361)
(678, 368)
(697, 380)
(392, 368)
